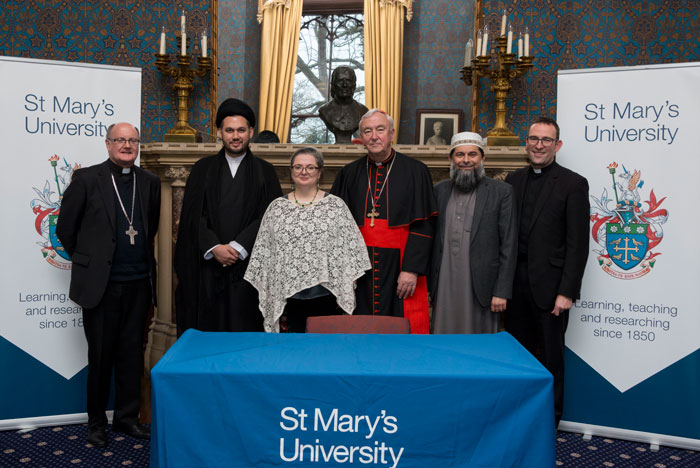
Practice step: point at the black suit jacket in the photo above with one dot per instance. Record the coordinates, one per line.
(493, 240)
(558, 239)
(87, 228)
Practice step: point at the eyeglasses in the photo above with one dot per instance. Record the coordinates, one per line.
(311, 170)
(546, 141)
(122, 141)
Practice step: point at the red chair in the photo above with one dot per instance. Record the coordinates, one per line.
(359, 324)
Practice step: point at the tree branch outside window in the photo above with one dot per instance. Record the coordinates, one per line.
(326, 42)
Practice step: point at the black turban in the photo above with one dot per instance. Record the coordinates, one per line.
(233, 106)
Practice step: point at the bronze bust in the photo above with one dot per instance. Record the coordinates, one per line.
(342, 114)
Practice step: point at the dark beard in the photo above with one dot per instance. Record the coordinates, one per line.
(466, 181)
(233, 153)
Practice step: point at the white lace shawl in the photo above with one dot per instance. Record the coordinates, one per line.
(300, 247)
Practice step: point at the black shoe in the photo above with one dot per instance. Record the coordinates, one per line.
(97, 437)
(136, 430)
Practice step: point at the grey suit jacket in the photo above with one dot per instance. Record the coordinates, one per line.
(493, 246)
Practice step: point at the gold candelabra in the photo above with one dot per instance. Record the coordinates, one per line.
(508, 68)
(184, 77)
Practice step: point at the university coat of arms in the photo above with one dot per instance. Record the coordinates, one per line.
(46, 207)
(625, 230)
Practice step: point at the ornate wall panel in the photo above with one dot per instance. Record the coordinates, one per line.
(434, 43)
(239, 51)
(123, 33)
(588, 34)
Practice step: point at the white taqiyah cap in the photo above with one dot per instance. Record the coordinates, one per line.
(466, 138)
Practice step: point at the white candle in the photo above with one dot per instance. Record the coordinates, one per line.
(161, 51)
(183, 34)
(520, 45)
(204, 44)
(509, 47)
(485, 44)
(503, 23)
(479, 41)
(468, 53)
(527, 43)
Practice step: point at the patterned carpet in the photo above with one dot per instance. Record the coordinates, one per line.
(65, 446)
(575, 452)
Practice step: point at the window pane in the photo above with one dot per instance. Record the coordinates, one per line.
(326, 42)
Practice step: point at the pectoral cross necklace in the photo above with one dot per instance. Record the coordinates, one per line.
(131, 232)
(374, 213)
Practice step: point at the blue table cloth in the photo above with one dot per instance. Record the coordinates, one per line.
(310, 400)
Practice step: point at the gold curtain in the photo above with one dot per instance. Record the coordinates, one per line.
(281, 20)
(384, 55)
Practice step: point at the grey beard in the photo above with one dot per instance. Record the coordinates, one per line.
(466, 181)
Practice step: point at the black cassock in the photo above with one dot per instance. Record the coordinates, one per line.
(401, 238)
(218, 209)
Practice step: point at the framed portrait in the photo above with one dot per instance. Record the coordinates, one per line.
(436, 126)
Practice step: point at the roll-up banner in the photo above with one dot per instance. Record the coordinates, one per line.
(54, 120)
(633, 358)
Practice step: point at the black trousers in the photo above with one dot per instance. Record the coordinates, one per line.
(298, 310)
(539, 331)
(114, 331)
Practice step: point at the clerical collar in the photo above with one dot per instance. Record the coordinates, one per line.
(118, 170)
(541, 170)
(386, 161)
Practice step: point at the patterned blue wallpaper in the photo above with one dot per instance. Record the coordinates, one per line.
(239, 51)
(565, 35)
(121, 33)
(588, 34)
(434, 43)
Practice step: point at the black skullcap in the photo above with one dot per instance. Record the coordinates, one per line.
(233, 106)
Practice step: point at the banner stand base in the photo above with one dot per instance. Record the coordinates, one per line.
(654, 440)
(28, 424)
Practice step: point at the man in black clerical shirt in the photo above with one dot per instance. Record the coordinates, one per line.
(107, 223)
(552, 203)
(225, 199)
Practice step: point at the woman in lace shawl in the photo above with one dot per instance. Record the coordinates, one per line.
(308, 252)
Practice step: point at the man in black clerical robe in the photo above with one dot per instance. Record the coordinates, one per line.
(391, 198)
(225, 198)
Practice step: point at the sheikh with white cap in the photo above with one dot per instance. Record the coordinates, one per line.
(467, 138)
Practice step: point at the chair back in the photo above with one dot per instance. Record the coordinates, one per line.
(359, 324)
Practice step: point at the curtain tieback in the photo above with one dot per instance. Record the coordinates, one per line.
(265, 4)
(408, 4)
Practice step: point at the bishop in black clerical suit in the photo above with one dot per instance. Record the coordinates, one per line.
(225, 198)
(108, 220)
